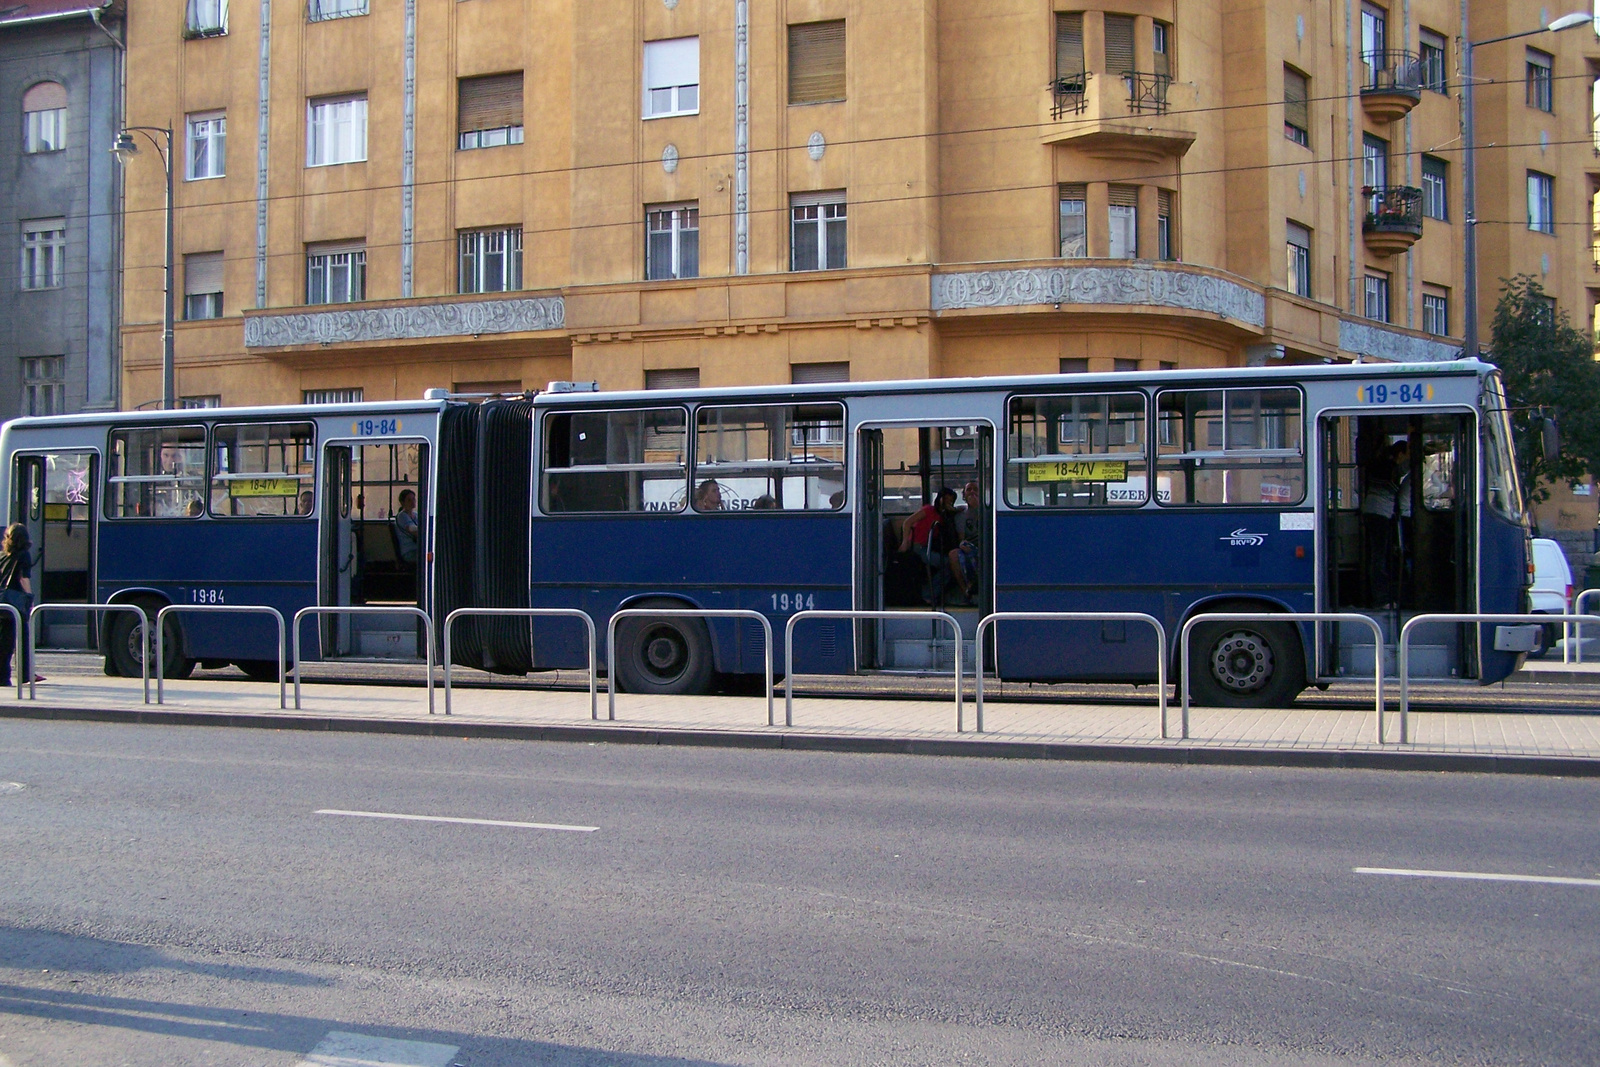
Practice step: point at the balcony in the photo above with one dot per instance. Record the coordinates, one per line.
(1394, 218)
(1122, 116)
(1392, 86)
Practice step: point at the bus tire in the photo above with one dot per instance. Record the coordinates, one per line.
(666, 656)
(1246, 664)
(123, 646)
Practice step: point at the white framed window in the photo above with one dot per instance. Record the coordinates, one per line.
(336, 273)
(44, 385)
(817, 231)
(1436, 313)
(1432, 49)
(44, 118)
(196, 403)
(1074, 222)
(490, 260)
(318, 10)
(44, 253)
(1541, 205)
(206, 18)
(1376, 293)
(672, 241)
(1296, 106)
(672, 77)
(202, 285)
(1435, 188)
(330, 396)
(1123, 219)
(336, 130)
(1299, 247)
(489, 111)
(1166, 249)
(1539, 84)
(208, 141)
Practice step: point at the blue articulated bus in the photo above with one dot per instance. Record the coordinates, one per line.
(1386, 490)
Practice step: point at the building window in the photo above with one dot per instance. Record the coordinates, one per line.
(1432, 57)
(1296, 107)
(1436, 313)
(1166, 249)
(819, 373)
(44, 385)
(1435, 188)
(1123, 366)
(206, 18)
(208, 400)
(1119, 45)
(1374, 41)
(318, 10)
(1069, 47)
(817, 235)
(490, 260)
(208, 139)
(330, 396)
(672, 242)
(672, 77)
(1374, 162)
(1539, 83)
(1074, 365)
(489, 111)
(1544, 309)
(1074, 222)
(336, 130)
(44, 118)
(336, 273)
(1377, 296)
(1299, 243)
(44, 253)
(674, 378)
(1161, 47)
(816, 62)
(1123, 216)
(1541, 211)
(202, 285)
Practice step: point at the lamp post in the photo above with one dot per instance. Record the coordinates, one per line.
(1469, 190)
(125, 149)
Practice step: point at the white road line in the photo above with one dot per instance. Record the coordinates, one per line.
(340, 1049)
(1478, 876)
(467, 822)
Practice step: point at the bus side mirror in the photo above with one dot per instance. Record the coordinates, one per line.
(1550, 437)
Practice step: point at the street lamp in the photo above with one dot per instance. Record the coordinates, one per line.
(1469, 345)
(125, 149)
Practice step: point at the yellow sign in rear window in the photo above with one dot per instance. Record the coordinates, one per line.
(1093, 470)
(264, 487)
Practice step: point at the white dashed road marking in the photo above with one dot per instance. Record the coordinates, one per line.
(468, 822)
(340, 1049)
(1478, 876)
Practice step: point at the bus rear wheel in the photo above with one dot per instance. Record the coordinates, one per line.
(123, 646)
(1246, 665)
(666, 655)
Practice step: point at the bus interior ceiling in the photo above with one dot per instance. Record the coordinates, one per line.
(1400, 521)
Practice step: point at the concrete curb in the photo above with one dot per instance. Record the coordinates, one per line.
(438, 726)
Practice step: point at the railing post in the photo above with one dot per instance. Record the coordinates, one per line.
(144, 638)
(17, 650)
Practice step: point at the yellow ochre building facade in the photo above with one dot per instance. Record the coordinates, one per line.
(485, 195)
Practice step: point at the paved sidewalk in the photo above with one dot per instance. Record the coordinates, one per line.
(1471, 740)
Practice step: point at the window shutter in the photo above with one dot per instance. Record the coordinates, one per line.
(671, 63)
(46, 96)
(1069, 44)
(202, 273)
(1164, 203)
(1074, 191)
(1296, 110)
(680, 378)
(1123, 195)
(816, 62)
(1119, 44)
(490, 103)
(819, 373)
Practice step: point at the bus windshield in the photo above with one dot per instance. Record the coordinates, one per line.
(1499, 463)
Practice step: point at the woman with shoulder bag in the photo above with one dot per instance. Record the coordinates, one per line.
(16, 589)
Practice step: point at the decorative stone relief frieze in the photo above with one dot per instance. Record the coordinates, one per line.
(1380, 342)
(454, 319)
(1147, 285)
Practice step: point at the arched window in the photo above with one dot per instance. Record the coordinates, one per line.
(44, 118)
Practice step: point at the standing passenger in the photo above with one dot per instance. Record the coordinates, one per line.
(406, 526)
(16, 589)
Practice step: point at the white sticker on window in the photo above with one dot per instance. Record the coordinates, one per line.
(1297, 520)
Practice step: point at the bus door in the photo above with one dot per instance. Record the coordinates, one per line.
(55, 501)
(1399, 515)
(376, 513)
(902, 468)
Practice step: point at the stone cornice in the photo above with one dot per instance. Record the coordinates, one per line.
(404, 322)
(1382, 342)
(1129, 286)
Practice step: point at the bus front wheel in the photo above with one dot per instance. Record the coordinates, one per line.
(1246, 665)
(123, 646)
(664, 655)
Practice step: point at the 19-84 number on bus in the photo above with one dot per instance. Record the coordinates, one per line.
(1404, 393)
(796, 602)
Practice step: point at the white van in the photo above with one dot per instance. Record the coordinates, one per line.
(1552, 589)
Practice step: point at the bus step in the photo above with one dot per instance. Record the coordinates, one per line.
(386, 644)
(1427, 661)
(926, 655)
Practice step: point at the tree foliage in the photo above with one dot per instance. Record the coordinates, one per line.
(1550, 372)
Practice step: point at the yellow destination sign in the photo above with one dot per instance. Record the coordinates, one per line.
(1094, 470)
(264, 487)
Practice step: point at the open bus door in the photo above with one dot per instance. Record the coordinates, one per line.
(54, 498)
(369, 558)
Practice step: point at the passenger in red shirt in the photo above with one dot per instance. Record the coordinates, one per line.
(924, 537)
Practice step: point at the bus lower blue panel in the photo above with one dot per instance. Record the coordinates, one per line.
(776, 564)
(1159, 562)
(198, 561)
(1503, 581)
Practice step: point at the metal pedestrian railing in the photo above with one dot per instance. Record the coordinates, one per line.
(255, 609)
(16, 622)
(366, 609)
(1292, 616)
(1077, 616)
(144, 641)
(1572, 630)
(1423, 620)
(691, 613)
(820, 613)
(530, 613)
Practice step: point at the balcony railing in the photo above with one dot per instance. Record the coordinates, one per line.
(1393, 208)
(1071, 93)
(1147, 92)
(1392, 72)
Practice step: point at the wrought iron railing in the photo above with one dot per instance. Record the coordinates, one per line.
(1392, 208)
(1392, 72)
(1070, 93)
(1147, 92)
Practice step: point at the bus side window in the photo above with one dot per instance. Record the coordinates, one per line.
(158, 472)
(1076, 451)
(776, 457)
(1230, 446)
(263, 470)
(610, 461)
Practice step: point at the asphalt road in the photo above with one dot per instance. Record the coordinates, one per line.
(170, 896)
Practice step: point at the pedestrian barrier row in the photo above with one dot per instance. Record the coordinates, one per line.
(1423, 620)
(532, 613)
(144, 640)
(1568, 653)
(821, 613)
(340, 609)
(690, 613)
(257, 609)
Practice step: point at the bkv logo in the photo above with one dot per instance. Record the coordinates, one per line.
(1242, 538)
